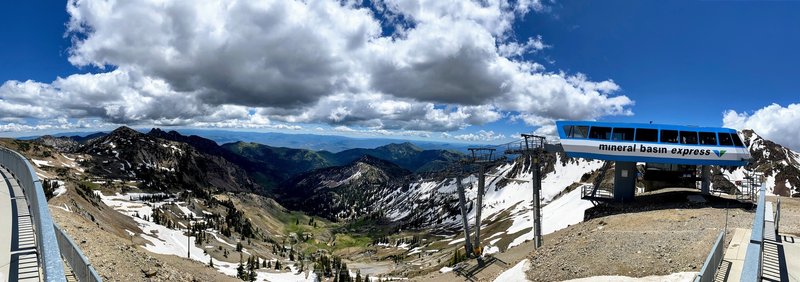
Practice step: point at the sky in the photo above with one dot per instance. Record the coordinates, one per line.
(460, 71)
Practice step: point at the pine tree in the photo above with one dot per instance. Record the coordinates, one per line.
(252, 272)
(211, 262)
(240, 270)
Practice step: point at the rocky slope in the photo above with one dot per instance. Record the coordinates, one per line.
(161, 164)
(63, 144)
(271, 165)
(779, 165)
(343, 192)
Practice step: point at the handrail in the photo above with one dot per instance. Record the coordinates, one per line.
(778, 216)
(47, 247)
(751, 270)
(713, 260)
(49, 244)
(81, 266)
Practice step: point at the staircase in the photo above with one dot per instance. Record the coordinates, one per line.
(750, 186)
(592, 191)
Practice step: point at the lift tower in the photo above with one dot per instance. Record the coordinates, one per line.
(483, 157)
(534, 147)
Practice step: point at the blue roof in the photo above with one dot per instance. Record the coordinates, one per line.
(562, 123)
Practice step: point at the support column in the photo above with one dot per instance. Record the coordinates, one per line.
(705, 177)
(462, 202)
(479, 206)
(624, 181)
(537, 215)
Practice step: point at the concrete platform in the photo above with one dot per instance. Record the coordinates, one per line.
(19, 255)
(791, 248)
(781, 258)
(6, 222)
(733, 260)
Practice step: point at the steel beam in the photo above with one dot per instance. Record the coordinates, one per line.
(463, 203)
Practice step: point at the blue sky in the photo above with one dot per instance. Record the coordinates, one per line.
(682, 62)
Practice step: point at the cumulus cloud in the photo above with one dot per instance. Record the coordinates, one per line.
(412, 65)
(774, 122)
(57, 124)
(480, 136)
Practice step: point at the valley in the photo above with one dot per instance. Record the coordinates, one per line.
(183, 207)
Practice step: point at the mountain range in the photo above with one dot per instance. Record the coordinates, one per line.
(358, 196)
(265, 166)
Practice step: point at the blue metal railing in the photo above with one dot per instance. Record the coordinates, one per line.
(751, 270)
(712, 261)
(47, 241)
(81, 266)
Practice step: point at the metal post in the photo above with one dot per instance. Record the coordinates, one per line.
(537, 216)
(189, 240)
(479, 206)
(462, 202)
(705, 181)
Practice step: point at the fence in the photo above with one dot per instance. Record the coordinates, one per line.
(81, 266)
(47, 246)
(713, 260)
(751, 270)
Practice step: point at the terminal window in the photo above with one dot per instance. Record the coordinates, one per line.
(646, 135)
(669, 136)
(599, 132)
(736, 140)
(688, 137)
(708, 138)
(576, 131)
(622, 134)
(725, 139)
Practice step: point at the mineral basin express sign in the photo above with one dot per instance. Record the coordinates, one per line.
(656, 152)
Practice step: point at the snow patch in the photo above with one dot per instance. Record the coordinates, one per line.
(491, 250)
(516, 273)
(40, 163)
(60, 190)
(559, 214)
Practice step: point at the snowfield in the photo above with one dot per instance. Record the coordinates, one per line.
(516, 197)
(163, 240)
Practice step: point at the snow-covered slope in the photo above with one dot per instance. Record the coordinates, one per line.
(780, 165)
(508, 198)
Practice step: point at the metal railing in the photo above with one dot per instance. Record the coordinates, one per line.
(713, 260)
(778, 216)
(751, 270)
(47, 246)
(80, 265)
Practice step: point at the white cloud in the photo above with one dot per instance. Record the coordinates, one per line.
(481, 136)
(57, 124)
(515, 49)
(773, 122)
(447, 66)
